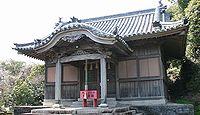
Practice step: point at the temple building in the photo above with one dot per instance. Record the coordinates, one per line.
(122, 56)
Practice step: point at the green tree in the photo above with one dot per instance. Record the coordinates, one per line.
(37, 80)
(192, 12)
(30, 91)
(22, 84)
(23, 93)
(187, 86)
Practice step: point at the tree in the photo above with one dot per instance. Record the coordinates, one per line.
(23, 84)
(192, 12)
(31, 90)
(12, 67)
(187, 86)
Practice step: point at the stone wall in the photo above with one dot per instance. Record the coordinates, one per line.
(168, 109)
(18, 110)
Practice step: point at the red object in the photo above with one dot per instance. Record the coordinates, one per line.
(89, 94)
(84, 103)
(95, 103)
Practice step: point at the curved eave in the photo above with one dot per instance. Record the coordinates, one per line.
(75, 32)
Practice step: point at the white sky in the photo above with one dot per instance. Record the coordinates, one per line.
(22, 21)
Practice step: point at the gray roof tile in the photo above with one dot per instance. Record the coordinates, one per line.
(128, 24)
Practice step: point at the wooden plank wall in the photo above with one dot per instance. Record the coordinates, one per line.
(147, 82)
(69, 86)
(50, 91)
(69, 91)
(146, 88)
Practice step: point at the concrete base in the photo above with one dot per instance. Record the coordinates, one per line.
(103, 105)
(64, 102)
(143, 102)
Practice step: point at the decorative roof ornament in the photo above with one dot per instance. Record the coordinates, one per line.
(162, 7)
(59, 22)
(157, 17)
(160, 3)
(115, 32)
(73, 19)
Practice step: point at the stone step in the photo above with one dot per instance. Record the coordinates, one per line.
(139, 114)
(85, 111)
(43, 114)
(130, 112)
(80, 103)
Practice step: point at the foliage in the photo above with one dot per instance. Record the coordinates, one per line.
(12, 67)
(176, 13)
(193, 14)
(173, 70)
(183, 101)
(30, 91)
(22, 84)
(23, 93)
(186, 88)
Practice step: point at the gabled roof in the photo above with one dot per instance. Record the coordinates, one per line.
(120, 26)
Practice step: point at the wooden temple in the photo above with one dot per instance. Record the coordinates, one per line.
(122, 56)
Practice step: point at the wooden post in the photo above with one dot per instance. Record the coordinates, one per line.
(58, 81)
(103, 83)
(86, 75)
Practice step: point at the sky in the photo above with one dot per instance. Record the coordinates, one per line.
(22, 21)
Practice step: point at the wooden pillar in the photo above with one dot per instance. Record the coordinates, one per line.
(103, 83)
(86, 74)
(58, 81)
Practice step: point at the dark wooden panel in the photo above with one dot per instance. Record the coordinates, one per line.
(69, 91)
(150, 88)
(50, 92)
(128, 89)
(137, 89)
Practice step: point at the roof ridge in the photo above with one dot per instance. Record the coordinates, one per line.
(138, 12)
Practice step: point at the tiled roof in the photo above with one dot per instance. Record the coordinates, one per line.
(127, 23)
(123, 25)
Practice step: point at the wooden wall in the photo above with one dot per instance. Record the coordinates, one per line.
(69, 86)
(141, 75)
(138, 76)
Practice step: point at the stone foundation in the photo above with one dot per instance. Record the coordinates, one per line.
(18, 110)
(166, 109)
